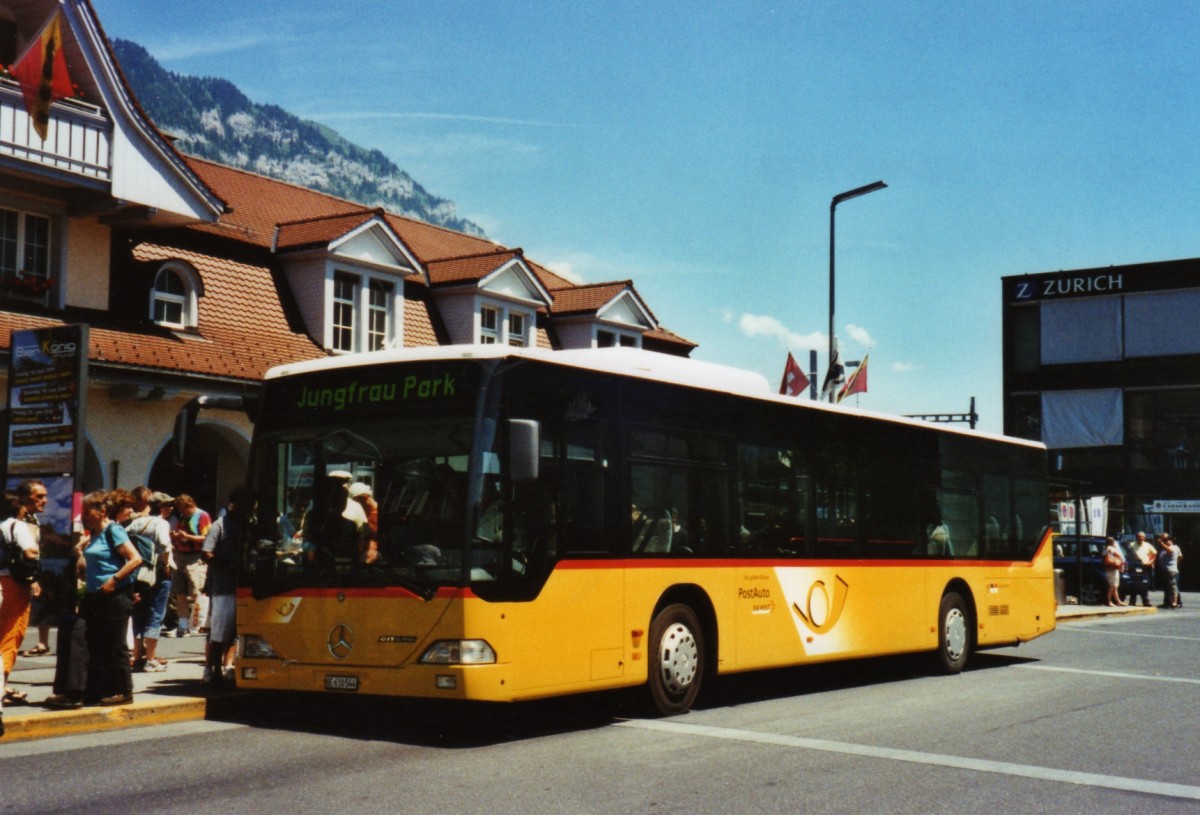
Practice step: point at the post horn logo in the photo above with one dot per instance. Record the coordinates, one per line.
(341, 641)
(832, 607)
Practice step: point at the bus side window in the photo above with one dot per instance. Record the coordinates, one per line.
(772, 500)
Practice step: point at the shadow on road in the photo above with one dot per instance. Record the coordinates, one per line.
(437, 723)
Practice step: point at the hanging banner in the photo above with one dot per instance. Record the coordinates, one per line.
(47, 378)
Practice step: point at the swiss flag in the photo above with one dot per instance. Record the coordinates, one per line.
(794, 381)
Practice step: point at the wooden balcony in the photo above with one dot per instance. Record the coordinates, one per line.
(78, 140)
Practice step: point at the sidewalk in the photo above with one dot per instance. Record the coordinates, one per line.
(175, 695)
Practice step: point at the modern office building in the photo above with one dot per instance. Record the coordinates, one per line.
(1103, 366)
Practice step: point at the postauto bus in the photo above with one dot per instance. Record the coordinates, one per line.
(554, 522)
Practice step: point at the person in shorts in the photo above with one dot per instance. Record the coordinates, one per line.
(187, 537)
(221, 549)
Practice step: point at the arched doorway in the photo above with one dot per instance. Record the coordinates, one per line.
(215, 463)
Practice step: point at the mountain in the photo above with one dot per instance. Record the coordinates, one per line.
(212, 119)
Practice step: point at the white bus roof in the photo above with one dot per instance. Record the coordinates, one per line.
(633, 362)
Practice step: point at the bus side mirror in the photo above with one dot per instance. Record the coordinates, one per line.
(524, 448)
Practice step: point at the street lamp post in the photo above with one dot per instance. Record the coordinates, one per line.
(837, 199)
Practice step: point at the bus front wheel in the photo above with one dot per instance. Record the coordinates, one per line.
(954, 632)
(677, 659)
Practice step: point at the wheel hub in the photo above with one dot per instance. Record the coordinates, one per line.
(956, 633)
(679, 658)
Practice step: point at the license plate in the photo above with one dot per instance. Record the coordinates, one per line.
(348, 683)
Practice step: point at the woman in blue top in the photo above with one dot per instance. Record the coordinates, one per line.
(109, 563)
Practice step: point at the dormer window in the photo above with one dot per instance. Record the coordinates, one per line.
(173, 298)
(489, 325)
(363, 313)
(612, 339)
(504, 325)
(517, 335)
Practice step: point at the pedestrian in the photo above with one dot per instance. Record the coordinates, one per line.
(33, 496)
(1114, 563)
(221, 550)
(151, 608)
(187, 538)
(1146, 554)
(71, 660)
(110, 562)
(1168, 561)
(15, 594)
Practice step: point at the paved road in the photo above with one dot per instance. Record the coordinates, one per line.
(1097, 717)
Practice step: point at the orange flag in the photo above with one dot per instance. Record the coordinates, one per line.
(857, 383)
(42, 73)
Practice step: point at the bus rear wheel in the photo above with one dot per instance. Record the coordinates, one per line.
(954, 632)
(677, 659)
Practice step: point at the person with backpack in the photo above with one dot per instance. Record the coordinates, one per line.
(18, 573)
(151, 533)
(221, 550)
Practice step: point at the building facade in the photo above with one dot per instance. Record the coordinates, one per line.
(1103, 366)
(195, 278)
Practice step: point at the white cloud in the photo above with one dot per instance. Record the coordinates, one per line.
(903, 367)
(860, 336)
(566, 270)
(761, 325)
(191, 47)
(359, 115)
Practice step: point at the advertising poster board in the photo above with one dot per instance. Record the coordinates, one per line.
(47, 379)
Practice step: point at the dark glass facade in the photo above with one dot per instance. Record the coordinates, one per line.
(1103, 366)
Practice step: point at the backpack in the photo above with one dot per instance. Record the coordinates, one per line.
(147, 573)
(12, 556)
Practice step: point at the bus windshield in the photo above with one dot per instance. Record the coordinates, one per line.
(362, 493)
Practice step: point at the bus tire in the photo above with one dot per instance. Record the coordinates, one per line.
(954, 632)
(676, 659)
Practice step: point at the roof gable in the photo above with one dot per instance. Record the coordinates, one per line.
(146, 170)
(365, 236)
(611, 302)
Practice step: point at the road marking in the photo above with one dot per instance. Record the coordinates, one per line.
(110, 738)
(1109, 632)
(1113, 674)
(1138, 785)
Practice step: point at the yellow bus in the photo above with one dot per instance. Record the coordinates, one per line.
(555, 522)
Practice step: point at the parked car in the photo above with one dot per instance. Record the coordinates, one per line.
(1135, 578)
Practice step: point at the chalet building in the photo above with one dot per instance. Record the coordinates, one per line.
(195, 278)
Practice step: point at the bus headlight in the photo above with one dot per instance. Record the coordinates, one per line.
(256, 647)
(459, 652)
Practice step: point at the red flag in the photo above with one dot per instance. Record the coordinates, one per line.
(857, 383)
(794, 381)
(42, 73)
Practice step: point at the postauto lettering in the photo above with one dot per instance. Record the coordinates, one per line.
(357, 393)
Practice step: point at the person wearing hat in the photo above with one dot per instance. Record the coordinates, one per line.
(149, 612)
(354, 510)
(361, 493)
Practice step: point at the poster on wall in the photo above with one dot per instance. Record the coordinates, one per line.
(47, 378)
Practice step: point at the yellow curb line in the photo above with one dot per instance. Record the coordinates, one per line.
(74, 722)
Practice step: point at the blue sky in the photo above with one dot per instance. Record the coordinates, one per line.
(694, 148)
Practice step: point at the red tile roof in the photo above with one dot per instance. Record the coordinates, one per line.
(475, 267)
(312, 232)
